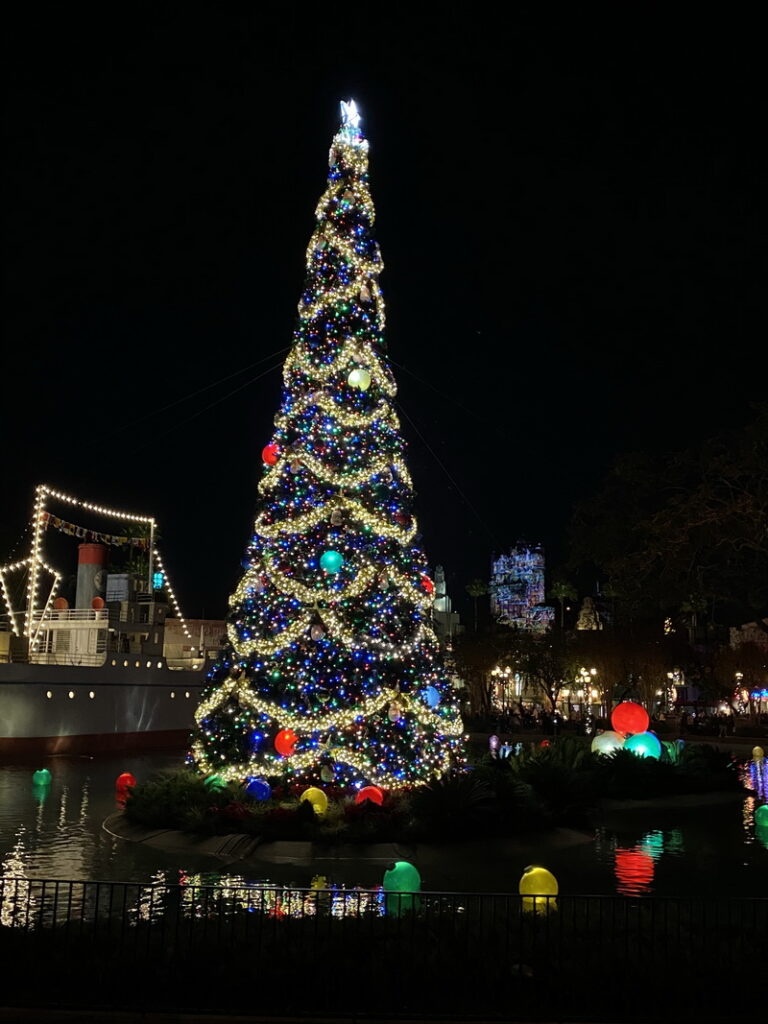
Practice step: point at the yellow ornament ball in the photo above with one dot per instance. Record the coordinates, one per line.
(359, 378)
(758, 753)
(538, 887)
(317, 798)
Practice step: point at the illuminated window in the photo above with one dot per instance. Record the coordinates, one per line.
(71, 694)
(186, 694)
(149, 664)
(48, 694)
(91, 694)
(172, 693)
(138, 664)
(159, 664)
(125, 664)
(114, 662)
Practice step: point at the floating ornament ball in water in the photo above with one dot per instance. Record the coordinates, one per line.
(123, 781)
(538, 887)
(42, 777)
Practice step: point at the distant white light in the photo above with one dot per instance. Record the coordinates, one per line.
(350, 116)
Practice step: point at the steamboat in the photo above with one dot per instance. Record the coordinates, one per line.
(113, 667)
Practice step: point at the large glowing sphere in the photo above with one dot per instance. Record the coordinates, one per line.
(400, 880)
(606, 742)
(285, 742)
(270, 454)
(317, 798)
(761, 816)
(538, 887)
(372, 793)
(331, 561)
(259, 789)
(42, 777)
(629, 717)
(644, 744)
(634, 872)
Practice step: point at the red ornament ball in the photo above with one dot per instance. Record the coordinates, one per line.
(545, 743)
(372, 793)
(124, 781)
(270, 454)
(285, 742)
(427, 584)
(629, 717)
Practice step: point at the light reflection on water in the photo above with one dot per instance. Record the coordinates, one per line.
(54, 832)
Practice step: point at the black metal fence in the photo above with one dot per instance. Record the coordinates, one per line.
(293, 952)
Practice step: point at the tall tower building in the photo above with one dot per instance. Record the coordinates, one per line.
(517, 589)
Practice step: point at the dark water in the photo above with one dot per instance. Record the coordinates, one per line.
(692, 851)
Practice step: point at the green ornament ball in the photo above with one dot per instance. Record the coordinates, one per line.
(42, 777)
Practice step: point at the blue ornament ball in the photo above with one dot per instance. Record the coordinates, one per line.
(432, 696)
(331, 561)
(259, 789)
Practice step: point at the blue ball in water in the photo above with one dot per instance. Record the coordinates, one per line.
(258, 789)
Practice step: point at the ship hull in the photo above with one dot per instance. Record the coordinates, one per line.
(62, 709)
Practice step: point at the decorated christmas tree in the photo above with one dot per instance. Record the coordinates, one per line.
(332, 672)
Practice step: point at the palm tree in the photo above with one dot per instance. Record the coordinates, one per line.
(562, 591)
(477, 588)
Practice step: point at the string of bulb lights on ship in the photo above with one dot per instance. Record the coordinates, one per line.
(332, 671)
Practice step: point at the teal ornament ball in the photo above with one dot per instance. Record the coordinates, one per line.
(331, 561)
(644, 744)
(42, 777)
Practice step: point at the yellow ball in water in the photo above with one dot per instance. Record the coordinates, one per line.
(317, 798)
(758, 753)
(538, 887)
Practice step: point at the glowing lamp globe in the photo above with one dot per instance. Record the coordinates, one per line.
(359, 378)
(258, 789)
(644, 744)
(285, 742)
(758, 753)
(331, 561)
(538, 887)
(317, 798)
(372, 793)
(400, 880)
(761, 816)
(42, 777)
(606, 742)
(432, 696)
(123, 781)
(270, 453)
(629, 717)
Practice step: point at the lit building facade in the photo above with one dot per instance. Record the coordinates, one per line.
(517, 589)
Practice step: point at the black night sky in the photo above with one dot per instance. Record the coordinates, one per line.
(569, 212)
